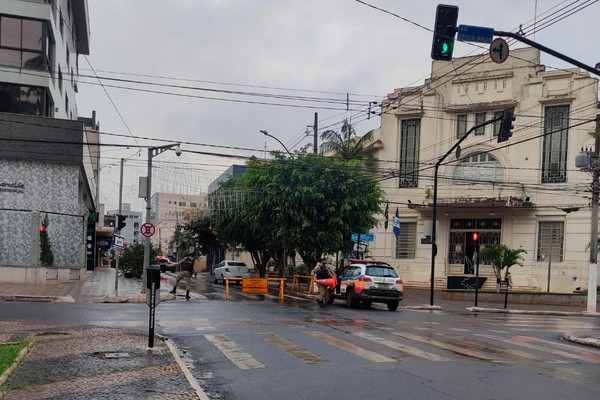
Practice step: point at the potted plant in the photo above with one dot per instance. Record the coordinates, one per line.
(502, 258)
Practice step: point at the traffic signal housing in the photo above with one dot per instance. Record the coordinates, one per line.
(475, 238)
(444, 31)
(506, 126)
(121, 221)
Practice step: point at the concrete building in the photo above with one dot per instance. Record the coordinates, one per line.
(525, 193)
(48, 159)
(169, 210)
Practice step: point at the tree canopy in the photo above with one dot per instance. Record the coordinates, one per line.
(307, 203)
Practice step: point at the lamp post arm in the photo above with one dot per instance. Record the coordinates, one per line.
(435, 176)
(282, 145)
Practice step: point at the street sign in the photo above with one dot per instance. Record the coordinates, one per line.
(255, 285)
(471, 33)
(499, 50)
(147, 229)
(364, 237)
(119, 241)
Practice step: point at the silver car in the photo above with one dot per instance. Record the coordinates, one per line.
(231, 269)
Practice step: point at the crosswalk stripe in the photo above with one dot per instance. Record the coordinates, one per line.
(351, 348)
(535, 347)
(488, 348)
(291, 348)
(401, 347)
(231, 350)
(583, 351)
(450, 347)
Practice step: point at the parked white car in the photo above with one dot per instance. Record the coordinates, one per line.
(230, 269)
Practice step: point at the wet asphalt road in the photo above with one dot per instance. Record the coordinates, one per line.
(252, 348)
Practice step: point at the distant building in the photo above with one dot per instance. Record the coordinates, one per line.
(169, 210)
(232, 172)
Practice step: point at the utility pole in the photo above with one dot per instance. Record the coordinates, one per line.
(117, 225)
(593, 266)
(315, 130)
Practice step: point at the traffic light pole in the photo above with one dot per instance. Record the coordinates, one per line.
(545, 49)
(435, 179)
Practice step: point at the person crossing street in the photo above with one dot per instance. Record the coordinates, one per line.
(187, 269)
(322, 271)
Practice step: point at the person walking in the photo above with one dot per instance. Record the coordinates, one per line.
(322, 271)
(187, 269)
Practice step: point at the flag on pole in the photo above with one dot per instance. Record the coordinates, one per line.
(396, 223)
(386, 214)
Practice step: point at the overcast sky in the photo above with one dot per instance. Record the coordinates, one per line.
(251, 65)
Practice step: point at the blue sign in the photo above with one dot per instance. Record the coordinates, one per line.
(471, 33)
(364, 237)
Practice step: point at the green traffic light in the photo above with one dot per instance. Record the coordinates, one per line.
(445, 48)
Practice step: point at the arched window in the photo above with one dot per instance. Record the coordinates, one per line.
(478, 168)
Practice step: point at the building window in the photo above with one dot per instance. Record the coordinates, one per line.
(194, 205)
(28, 100)
(556, 132)
(409, 153)
(25, 43)
(550, 241)
(461, 125)
(67, 104)
(60, 80)
(481, 167)
(182, 203)
(480, 119)
(405, 241)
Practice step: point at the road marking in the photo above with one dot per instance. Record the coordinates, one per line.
(495, 331)
(583, 351)
(460, 329)
(489, 348)
(291, 348)
(231, 350)
(465, 351)
(515, 341)
(413, 351)
(351, 348)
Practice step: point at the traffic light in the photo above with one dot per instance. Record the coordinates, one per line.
(506, 126)
(42, 228)
(444, 31)
(121, 221)
(475, 238)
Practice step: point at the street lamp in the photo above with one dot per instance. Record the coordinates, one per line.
(283, 145)
(152, 152)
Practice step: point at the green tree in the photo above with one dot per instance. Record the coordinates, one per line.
(502, 258)
(46, 256)
(307, 203)
(347, 145)
(132, 258)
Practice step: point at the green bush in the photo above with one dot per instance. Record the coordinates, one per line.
(296, 269)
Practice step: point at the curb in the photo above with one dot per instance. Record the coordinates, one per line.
(582, 340)
(39, 299)
(422, 307)
(24, 351)
(186, 371)
(533, 312)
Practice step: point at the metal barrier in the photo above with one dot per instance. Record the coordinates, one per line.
(296, 282)
(262, 289)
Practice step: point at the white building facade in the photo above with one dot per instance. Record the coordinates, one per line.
(525, 192)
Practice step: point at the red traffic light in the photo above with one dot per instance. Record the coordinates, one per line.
(42, 228)
(475, 237)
